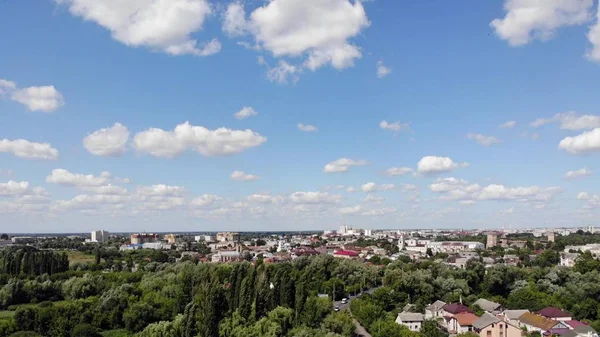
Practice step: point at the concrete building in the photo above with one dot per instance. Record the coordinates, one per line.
(205, 238)
(227, 237)
(172, 238)
(568, 259)
(492, 240)
(413, 321)
(551, 236)
(22, 240)
(435, 310)
(226, 256)
(141, 238)
(99, 236)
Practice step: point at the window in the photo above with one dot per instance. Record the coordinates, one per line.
(501, 333)
(489, 333)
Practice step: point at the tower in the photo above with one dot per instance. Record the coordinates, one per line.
(401, 242)
(492, 240)
(551, 236)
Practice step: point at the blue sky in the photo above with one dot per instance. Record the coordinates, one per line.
(443, 75)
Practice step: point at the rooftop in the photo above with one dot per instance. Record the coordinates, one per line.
(410, 317)
(485, 320)
(466, 318)
(552, 312)
(456, 308)
(537, 321)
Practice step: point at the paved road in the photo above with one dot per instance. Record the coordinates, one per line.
(360, 330)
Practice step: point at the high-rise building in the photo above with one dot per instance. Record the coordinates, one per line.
(492, 240)
(141, 238)
(551, 236)
(99, 236)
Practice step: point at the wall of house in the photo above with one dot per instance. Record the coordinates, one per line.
(412, 326)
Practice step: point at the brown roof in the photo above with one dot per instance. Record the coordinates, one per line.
(537, 321)
(551, 312)
(465, 318)
(456, 308)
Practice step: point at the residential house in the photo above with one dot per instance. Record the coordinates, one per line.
(582, 331)
(461, 322)
(573, 324)
(488, 306)
(512, 316)
(450, 310)
(534, 322)
(413, 321)
(568, 259)
(555, 314)
(435, 310)
(346, 254)
(489, 325)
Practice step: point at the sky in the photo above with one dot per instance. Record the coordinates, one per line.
(204, 115)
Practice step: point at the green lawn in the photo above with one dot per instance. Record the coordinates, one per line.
(80, 257)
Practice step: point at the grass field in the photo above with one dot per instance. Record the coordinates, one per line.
(79, 257)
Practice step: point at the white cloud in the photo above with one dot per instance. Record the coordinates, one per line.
(508, 125)
(350, 210)
(382, 71)
(593, 54)
(527, 20)
(370, 198)
(570, 120)
(264, 199)
(45, 98)
(234, 20)
(433, 165)
(380, 211)
(205, 200)
(6, 87)
(160, 25)
(369, 187)
(307, 127)
(246, 112)
(350, 189)
(592, 200)
(241, 176)
(219, 142)
(106, 190)
(160, 190)
(25, 149)
(342, 165)
(395, 126)
(584, 143)
(398, 171)
(107, 141)
(584, 172)
(314, 198)
(284, 73)
(64, 177)
(13, 188)
(583, 196)
(385, 187)
(319, 30)
(483, 139)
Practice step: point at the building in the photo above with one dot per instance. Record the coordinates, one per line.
(141, 238)
(99, 236)
(533, 322)
(568, 259)
(461, 323)
(227, 237)
(453, 309)
(413, 321)
(489, 325)
(555, 314)
(582, 331)
(435, 310)
(346, 254)
(551, 236)
(172, 238)
(227, 256)
(22, 240)
(488, 306)
(492, 240)
(205, 238)
(512, 316)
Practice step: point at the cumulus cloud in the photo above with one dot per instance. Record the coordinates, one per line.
(314, 198)
(593, 53)
(380, 211)
(219, 142)
(284, 73)
(205, 200)
(369, 187)
(160, 190)
(13, 188)
(350, 210)
(160, 25)
(570, 120)
(584, 143)
(459, 189)
(527, 20)
(584, 172)
(241, 176)
(64, 177)
(342, 165)
(370, 198)
(307, 127)
(483, 139)
(107, 141)
(30, 150)
(246, 112)
(395, 126)
(317, 30)
(382, 71)
(508, 125)
(430, 165)
(398, 171)
(583, 196)
(36, 98)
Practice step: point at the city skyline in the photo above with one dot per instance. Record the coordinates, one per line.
(252, 116)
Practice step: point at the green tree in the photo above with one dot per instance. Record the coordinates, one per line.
(430, 328)
(85, 330)
(340, 323)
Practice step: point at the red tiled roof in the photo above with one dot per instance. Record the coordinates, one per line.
(456, 308)
(345, 253)
(465, 318)
(552, 312)
(573, 323)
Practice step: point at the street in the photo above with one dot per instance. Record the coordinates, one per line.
(360, 330)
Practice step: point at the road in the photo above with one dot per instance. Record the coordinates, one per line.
(360, 330)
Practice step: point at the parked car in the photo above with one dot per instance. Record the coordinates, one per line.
(344, 300)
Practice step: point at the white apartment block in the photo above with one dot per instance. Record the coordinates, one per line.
(99, 236)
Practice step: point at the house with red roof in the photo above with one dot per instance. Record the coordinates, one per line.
(555, 314)
(452, 309)
(346, 254)
(462, 322)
